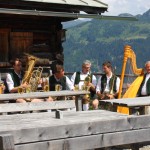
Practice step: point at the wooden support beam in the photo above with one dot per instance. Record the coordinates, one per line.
(6, 142)
(92, 141)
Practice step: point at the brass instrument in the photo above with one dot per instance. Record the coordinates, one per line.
(32, 77)
(46, 85)
(76, 87)
(58, 87)
(35, 79)
(86, 98)
(31, 60)
(87, 80)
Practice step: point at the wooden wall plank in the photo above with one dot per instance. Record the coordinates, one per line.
(20, 42)
(4, 44)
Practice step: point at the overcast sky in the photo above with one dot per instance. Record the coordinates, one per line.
(133, 7)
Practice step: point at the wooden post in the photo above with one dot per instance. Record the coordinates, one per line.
(59, 114)
(78, 103)
(6, 142)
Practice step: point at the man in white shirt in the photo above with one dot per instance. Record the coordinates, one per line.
(14, 78)
(58, 77)
(14, 81)
(78, 78)
(144, 89)
(107, 86)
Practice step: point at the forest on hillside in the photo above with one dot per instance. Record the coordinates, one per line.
(101, 40)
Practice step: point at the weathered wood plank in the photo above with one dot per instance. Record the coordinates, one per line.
(130, 102)
(45, 127)
(73, 124)
(41, 94)
(6, 142)
(93, 128)
(50, 117)
(92, 141)
(16, 107)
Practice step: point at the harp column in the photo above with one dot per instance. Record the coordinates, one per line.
(126, 54)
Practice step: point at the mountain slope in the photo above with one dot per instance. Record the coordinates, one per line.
(100, 40)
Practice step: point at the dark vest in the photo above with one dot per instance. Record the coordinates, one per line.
(104, 82)
(147, 86)
(53, 82)
(77, 78)
(15, 79)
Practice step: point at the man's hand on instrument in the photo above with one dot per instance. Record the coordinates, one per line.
(110, 96)
(92, 87)
(101, 96)
(24, 85)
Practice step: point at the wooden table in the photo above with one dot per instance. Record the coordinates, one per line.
(76, 131)
(131, 103)
(13, 96)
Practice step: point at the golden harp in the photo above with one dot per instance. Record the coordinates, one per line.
(134, 87)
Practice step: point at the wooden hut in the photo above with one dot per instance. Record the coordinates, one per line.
(35, 26)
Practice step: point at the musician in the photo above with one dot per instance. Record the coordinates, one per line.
(107, 86)
(14, 80)
(78, 79)
(144, 89)
(58, 77)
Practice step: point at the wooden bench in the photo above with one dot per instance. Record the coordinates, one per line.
(133, 104)
(77, 130)
(9, 97)
(27, 107)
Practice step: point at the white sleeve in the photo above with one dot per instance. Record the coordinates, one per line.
(94, 80)
(98, 87)
(117, 84)
(10, 82)
(73, 78)
(69, 84)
